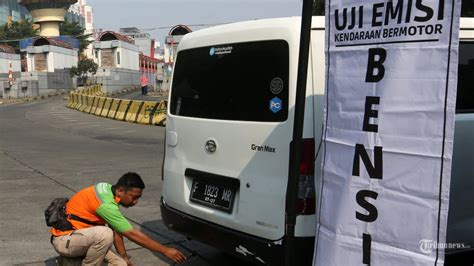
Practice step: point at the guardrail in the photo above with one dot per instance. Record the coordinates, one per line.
(91, 101)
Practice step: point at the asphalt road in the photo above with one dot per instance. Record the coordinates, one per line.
(49, 151)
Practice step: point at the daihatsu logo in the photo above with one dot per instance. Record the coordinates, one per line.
(211, 146)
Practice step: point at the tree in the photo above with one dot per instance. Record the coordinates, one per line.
(75, 30)
(17, 30)
(84, 67)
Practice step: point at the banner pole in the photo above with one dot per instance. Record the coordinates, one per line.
(295, 145)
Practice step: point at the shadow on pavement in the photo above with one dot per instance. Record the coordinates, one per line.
(197, 253)
(51, 261)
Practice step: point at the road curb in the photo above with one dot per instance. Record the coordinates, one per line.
(31, 99)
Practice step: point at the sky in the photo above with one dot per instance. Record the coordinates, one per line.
(163, 14)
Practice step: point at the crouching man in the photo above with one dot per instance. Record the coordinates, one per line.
(90, 209)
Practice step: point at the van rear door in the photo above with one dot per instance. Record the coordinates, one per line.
(228, 134)
(461, 210)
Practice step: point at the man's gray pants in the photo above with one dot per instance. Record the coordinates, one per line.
(92, 244)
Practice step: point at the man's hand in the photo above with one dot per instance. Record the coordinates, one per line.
(127, 260)
(120, 247)
(174, 255)
(146, 242)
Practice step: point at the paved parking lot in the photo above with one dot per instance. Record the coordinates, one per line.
(49, 151)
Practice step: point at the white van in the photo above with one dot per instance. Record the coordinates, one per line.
(228, 133)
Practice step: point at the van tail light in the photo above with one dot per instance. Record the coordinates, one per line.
(306, 204)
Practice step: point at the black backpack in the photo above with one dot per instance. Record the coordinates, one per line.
(56, 215)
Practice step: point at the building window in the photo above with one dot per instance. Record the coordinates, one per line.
(118, 58)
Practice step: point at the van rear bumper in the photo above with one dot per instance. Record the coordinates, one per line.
(250, 248)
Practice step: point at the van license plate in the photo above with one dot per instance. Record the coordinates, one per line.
(212, 195)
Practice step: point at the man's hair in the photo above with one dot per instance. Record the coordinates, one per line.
(130, 180)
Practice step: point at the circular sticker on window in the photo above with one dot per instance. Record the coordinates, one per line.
(276, 85)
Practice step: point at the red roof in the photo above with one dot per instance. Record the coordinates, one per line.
(6, 49)
(51, 41)
(112, 35)
(180, 30)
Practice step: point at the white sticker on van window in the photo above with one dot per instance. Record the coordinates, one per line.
(220, 50)
(276, 85)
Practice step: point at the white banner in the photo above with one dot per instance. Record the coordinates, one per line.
(391, 94)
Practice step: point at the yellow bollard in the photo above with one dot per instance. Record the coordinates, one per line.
(114, 108)
(145, 117)
(100, 106)
(71, 100)
(75, 100)
(122, 110)
(90, 102)
(106, 108)
(95, 100)
(85, 103)
(133, 112)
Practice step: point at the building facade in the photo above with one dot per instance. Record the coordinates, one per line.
(85, 11)
(50, 55)
(73, 15)
(9, 61)
(150, 66)
(172, 40)
(11, 11)
(86, 14)
(118, 60)
(48, 61)
(143, 40)
(80, 12)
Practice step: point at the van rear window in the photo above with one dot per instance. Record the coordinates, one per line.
(238, 81)
(465, 93)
